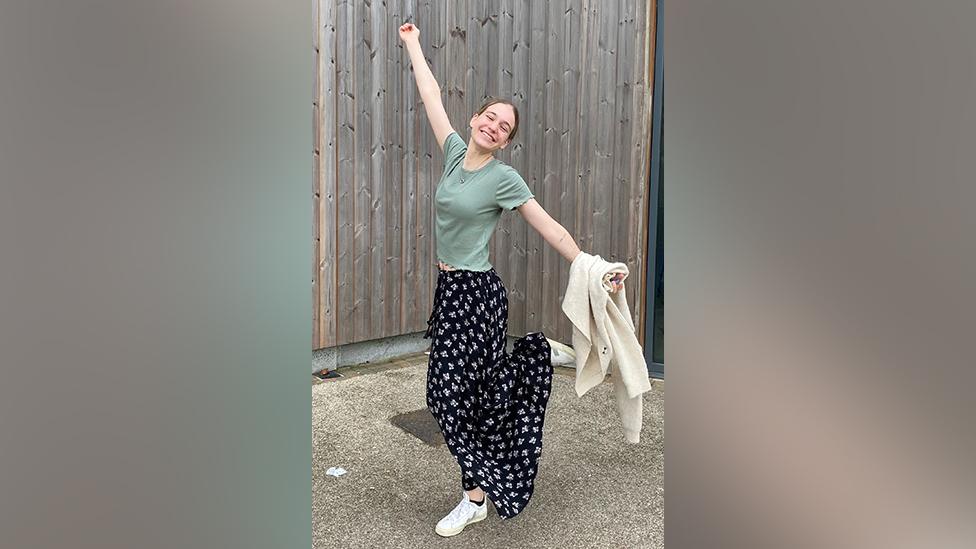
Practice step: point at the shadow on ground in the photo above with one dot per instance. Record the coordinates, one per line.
(593, 488)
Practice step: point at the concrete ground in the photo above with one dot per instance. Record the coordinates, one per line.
(593, 489)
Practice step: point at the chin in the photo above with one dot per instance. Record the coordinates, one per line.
(484, 142)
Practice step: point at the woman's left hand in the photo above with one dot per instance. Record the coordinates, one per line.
(617, 282)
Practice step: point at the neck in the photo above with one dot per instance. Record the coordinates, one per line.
(476, 158)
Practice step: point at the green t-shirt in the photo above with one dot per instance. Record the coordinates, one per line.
(469, 204)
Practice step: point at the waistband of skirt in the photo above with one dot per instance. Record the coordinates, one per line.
(453, 270)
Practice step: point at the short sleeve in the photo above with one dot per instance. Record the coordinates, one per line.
(454, 149)
(512, 191)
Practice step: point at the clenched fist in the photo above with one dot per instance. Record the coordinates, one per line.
(409, 31)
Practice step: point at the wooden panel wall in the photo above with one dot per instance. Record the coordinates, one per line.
(580, 72)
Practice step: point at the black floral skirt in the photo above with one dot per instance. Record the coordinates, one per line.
(490, 405)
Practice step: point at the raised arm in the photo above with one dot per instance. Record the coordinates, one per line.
(430, 92)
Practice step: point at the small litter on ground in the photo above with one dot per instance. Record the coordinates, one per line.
(336, 471)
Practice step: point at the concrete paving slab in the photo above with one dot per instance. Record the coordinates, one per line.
(593, 488)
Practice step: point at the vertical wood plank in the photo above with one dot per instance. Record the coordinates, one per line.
(475, 68)
(535, 173)
(522, 33)
(326, 179)
(552, 172)
(362, 282)
(486, 49)
(568, 145)
(317, 179)
(632, 203)
(502, 46)
(433, 160)
(456, 68)
(393, 170)
(641, 159)
(586, 127)
(378, 207)
(474, 63)
(411, 308)
(602, 183)
(346, 171)
(622, 245)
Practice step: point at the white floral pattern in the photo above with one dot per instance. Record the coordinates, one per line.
(490, 405)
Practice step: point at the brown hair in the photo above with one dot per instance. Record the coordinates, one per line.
(494, 101)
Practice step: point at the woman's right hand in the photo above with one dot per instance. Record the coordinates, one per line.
(409, 31)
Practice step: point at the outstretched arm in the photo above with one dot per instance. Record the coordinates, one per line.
(430, 92)
(557, 236)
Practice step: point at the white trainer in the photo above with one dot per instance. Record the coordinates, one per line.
(464, 514)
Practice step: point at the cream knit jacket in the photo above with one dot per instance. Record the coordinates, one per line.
(603, 334)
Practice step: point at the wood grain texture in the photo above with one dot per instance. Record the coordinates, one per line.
(586, 127)
(580, 72)
(413, 272)
(392, 181)
(324, 279)
(362, 194)
(436, 51)
(317, 179)
(553, 97)
(569, 137)
(379, 206)
(602, 182)
(501, 45)
(642, 137)
(534, 173)
(520, 160)
(345, 172)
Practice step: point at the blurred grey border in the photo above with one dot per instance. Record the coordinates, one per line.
(819, 181)
(154, 240)
(155, 292)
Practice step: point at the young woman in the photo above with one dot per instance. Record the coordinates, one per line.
(489, 404)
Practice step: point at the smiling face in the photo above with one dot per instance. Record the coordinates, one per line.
(492, 129)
